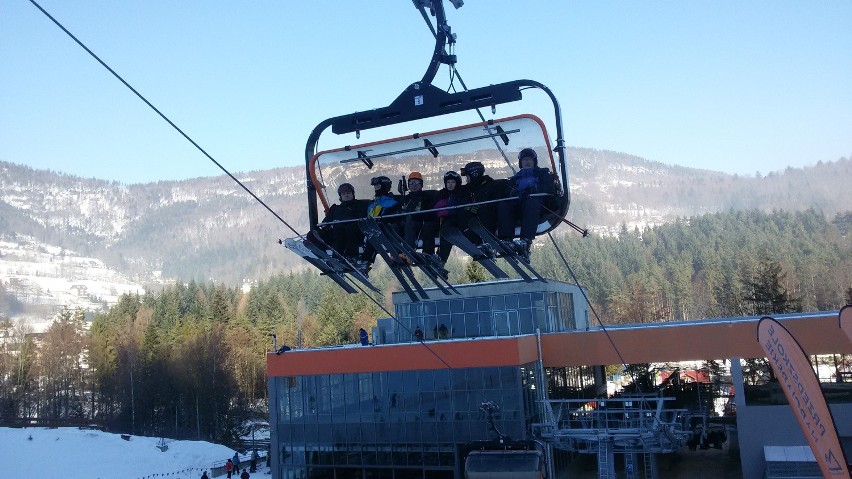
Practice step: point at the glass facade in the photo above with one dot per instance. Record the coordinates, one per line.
(419, 423)
(369, 424)
(510, 314)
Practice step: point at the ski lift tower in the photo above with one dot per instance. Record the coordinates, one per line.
(626, 425)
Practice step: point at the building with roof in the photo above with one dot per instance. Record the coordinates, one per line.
(406, 408)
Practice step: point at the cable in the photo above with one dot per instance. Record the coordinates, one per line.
(594, 312)
(455, 74)
(244, 187)
(164, 117)
(402, 325)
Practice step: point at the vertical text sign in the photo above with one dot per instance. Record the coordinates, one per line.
(803, 392)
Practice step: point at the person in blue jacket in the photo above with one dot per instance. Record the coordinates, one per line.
(526, 209)
(384, 203)
(236, 462)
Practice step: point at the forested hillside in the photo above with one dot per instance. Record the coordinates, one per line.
(189, 361)
(210, 229)
(706, 266)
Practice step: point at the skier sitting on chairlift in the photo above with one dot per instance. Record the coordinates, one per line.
(424, 225)
(481, 187)
(451, 194)
(345, 238)
(526, 209)
(384, 202)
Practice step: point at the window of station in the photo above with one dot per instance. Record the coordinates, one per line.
(408, 406)
(503, 315)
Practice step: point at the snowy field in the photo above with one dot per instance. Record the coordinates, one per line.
(70, 453)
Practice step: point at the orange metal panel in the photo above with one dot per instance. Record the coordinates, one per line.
(653, 343)
(404, 357)
(684, 342)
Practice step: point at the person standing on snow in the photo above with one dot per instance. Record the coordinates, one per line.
(229, 468)
(254, 457)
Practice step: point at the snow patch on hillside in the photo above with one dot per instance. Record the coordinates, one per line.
(72, 453)
(42, 274)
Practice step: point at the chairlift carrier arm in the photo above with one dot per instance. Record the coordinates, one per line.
(424, 100)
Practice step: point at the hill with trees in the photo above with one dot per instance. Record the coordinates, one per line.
(188, 361)
(210, 229)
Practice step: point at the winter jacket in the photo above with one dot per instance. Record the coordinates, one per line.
(449, 198)
(532, 180)
(486, 188)
(347, 210)
(421, 200)
(382, 205)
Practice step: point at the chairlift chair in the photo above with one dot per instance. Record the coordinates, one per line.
(493, 141)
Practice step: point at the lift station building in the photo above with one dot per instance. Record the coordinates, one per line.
(401, 408)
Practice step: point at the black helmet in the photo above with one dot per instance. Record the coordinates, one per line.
(452, 175)
(528, 153)
(473, 170)
(343, 187)
(385, 183)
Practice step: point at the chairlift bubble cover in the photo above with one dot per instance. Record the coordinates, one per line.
(398, 157)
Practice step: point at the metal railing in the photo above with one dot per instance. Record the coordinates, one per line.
(629, 424)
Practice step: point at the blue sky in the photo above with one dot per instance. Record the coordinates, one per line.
(732, 86)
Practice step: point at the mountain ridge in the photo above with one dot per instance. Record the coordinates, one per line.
(208, 228)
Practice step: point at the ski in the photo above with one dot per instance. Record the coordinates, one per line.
(326, 266)
(457, 238)
(318, 245)
(430, 265)
(383, 248)
(506, 252)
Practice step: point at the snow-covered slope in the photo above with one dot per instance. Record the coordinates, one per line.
(71, 453)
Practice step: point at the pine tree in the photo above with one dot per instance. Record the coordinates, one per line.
(474, 272)
(766, 291)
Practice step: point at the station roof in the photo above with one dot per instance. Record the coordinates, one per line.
(723, 338)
